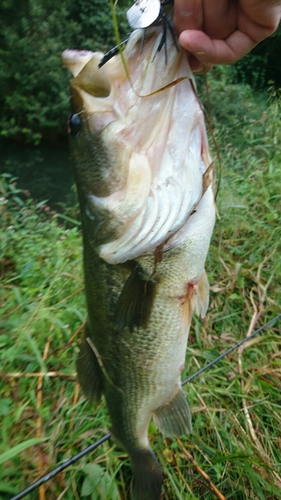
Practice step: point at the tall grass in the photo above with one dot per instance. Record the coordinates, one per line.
(236, 404)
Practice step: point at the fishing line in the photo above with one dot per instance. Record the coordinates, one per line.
(94, 446)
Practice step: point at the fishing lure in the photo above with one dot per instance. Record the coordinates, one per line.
(141, 15)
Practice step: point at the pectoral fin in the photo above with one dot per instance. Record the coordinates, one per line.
(89, 371)
(174, 418)
(135, 302)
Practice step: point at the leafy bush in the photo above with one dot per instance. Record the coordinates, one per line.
(261, 65)
(34, 89)
(95, 19)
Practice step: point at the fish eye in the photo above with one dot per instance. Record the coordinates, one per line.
(74, 124)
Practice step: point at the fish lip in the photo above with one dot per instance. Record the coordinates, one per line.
(72, 53)
(75, 60)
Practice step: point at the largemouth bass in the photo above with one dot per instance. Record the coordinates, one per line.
(144, 178)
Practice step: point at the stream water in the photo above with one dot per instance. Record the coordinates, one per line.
(44, 171)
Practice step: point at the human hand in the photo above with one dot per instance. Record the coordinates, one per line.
(223, 31)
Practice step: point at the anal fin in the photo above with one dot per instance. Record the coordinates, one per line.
(89, 371)
(174, 418)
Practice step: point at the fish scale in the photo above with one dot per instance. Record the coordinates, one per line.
(140, 155)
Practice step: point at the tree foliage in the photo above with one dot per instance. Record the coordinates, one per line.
(95, 19)
(262, 64)
(34, 90)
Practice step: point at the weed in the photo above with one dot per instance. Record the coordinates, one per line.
(236, 405)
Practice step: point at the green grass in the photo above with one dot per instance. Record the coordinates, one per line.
(236, 404)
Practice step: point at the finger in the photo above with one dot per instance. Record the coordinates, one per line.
(218, 19)
(211, 51)
(264, 15)
(188, 15)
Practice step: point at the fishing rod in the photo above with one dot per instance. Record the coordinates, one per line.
(60, 468)
(94, 446)
(221, 356)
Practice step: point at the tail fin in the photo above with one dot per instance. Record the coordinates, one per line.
(147, 479)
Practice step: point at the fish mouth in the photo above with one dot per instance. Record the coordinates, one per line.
(154, 124)
(141, 67)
